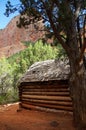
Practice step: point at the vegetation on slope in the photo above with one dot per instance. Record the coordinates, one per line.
(12, 68)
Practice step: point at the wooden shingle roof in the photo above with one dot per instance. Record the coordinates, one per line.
(47, 70)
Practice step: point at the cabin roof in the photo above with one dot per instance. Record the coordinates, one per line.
(46, 71)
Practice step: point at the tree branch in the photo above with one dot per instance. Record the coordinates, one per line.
(79, 34)
(78, 8)
(84, 41)
(57, 35)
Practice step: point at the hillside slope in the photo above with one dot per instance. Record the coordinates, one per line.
(12, 36)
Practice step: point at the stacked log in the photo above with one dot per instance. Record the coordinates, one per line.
(47, 94)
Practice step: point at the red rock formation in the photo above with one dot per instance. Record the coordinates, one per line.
(12, 36)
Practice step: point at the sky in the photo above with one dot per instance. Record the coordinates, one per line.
(3, 19)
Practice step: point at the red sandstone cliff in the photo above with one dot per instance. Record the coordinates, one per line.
(11, 37)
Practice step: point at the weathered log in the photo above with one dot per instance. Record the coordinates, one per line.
(65, 108)
(52, 98)
(46, 90)
(43, 87)
(62, 103)
(45, 83)
(47, 93)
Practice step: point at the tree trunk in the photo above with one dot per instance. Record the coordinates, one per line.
(78, 94)
(77, 76)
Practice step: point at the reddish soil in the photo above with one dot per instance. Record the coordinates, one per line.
(10, 119)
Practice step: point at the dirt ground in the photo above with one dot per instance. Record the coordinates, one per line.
(10, 119)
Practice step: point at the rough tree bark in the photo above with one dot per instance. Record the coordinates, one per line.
(77, 81)
(78, 94)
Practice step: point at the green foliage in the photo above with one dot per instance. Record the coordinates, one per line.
(40, 52)
(3, 99)
(5, 75)
(6, 81)
(9, 97)
(26, 43)
(12, 68)
(61, 52)
(35, 52)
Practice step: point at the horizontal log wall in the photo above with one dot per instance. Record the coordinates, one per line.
(48, 94)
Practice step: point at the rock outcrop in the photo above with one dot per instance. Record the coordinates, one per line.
(11, 37)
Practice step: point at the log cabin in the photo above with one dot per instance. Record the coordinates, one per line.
(45, 86)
